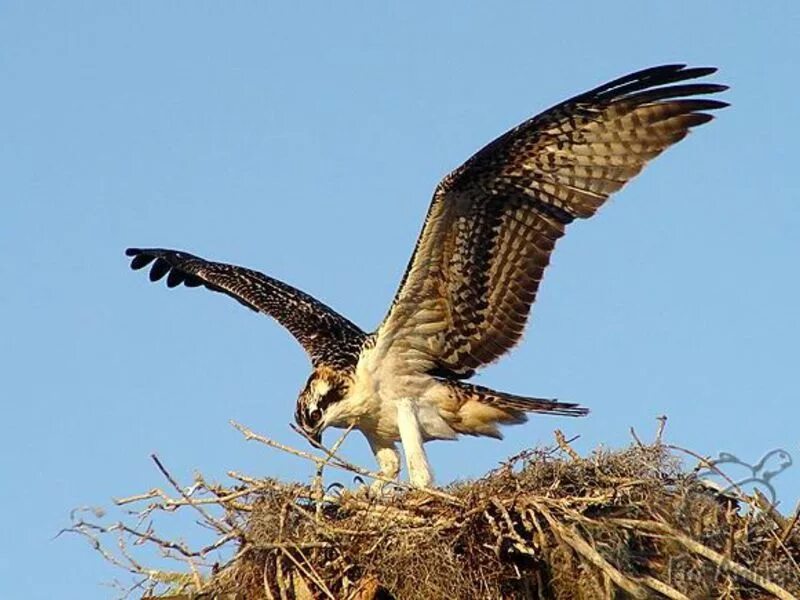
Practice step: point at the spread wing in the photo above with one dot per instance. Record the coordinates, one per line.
(328, 337)
(493, 222)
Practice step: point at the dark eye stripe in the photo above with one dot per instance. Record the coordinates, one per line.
(334, 395)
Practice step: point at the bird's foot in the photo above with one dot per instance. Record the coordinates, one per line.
(382, 489)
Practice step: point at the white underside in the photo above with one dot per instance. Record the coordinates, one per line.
(388, 408)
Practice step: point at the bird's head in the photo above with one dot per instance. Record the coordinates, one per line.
(323, 389)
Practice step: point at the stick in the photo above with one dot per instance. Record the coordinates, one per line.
(662, 588)
(564, 445)
(662, 422)
(218, 525)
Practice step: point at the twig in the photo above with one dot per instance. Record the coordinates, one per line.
(662, 588)
(265, 581)
(169, 503)
(147, 536)
(636, 438)
(154, 493)
(279, 577)
(221, 527)
(787, 531)
(317, 484)
(251, 435)
(662, 422)
(289, 545)
(564, 445)
(311, 574)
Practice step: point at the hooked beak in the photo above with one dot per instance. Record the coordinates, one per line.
(316, 435)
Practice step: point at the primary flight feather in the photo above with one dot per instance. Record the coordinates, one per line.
(467, 292)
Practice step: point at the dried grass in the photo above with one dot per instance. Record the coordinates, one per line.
(548, 524)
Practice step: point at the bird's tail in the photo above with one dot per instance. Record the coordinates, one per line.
(481, 409)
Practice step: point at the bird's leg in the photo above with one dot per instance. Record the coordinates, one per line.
(388, 461)
(419, 471)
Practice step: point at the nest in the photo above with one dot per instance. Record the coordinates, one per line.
(547, 524)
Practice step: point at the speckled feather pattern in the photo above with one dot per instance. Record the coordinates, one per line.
(329, 338)
(494, 222)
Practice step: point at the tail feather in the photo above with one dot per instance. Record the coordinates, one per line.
(537, 405)
(481, 409)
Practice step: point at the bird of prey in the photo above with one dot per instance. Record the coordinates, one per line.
(467, 291)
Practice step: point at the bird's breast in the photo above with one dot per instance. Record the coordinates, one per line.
(378, 391)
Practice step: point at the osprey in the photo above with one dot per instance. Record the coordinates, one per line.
(467, 291)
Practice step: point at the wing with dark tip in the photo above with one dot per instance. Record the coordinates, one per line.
(493, 222)
(328, 337)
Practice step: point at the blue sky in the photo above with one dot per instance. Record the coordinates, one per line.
(304, 140)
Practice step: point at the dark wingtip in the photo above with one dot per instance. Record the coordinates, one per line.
(577, 411)
(140, 259)
(709, 104)
(165, 262)
(700, 119)
(175, 278)
(160, 268)
(660, 69)
(698, 71)
(571, 409)
(567, 409)
(715, 88)
(650, 80)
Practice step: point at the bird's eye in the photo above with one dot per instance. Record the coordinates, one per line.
(314, 415)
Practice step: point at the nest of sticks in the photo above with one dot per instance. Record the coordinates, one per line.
(547, 524)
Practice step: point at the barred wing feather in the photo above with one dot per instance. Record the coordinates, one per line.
(328, 337)
(493, 222)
